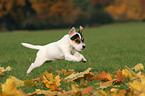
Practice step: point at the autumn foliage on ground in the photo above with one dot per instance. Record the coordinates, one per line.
(109, 84)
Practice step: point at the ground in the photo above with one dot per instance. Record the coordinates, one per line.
(108, 48)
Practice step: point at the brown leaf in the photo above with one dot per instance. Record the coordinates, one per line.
(120, 78)
(1, 74)
(89, 76)
(79, 93)
(122, 93)
(84, 83)
(103, 76)
(87, 91)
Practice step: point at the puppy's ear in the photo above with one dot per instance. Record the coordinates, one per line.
(72, 32)
(80, 29)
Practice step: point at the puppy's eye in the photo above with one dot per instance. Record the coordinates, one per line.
(77, 40)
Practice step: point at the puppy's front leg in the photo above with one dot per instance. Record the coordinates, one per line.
(77, 54)
(71, 57)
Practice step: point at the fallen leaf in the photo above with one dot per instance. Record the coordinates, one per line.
(135, 85)
(106, 84)
(89, 76)
(75, 87)
(142, 94)
(1, 74)
(119, 78)
(87, 91)
(126, 73)
(64, 72)
(57, 80)
(100, 93)
(83, 83)
(49, 76)
(9, 89)
(7, 69)
(50, 81)
(132, 72)
(2, 69)
(75, 76)
(78, 93)
(17, 81)
(138, 67)
(103, 76)
(38, 91)
(139, 74)
(114, 90)
(122, 93)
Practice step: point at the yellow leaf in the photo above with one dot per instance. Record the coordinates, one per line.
(142, 94)
(49, 81)
(17, 81)
(126, 73)
(74, 87)
(142, 78)
(106, 84)
(9, 89)
(100, 93)
(132, 72)
(64, 72)
(45, 92)
(51, 86)
(139, 73)
(135, 85)
(7, 69)
(114, 90)
(138, 67)
(49, 76)
(38, 91)
(74, 76)
(2, 69)
(57, 80)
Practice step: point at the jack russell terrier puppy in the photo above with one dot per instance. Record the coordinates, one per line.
(66, 48)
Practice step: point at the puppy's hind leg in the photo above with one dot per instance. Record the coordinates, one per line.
(38, 62)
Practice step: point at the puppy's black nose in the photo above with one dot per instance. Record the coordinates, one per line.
(84, 46)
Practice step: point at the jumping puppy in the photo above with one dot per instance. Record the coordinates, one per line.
(66, 48)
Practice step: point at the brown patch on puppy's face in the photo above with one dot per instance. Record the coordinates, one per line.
(76, 39)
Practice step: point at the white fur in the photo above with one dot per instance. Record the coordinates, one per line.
(62, 49)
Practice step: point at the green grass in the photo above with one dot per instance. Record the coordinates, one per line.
(109, 47)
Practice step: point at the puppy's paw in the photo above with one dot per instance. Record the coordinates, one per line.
(84, 60)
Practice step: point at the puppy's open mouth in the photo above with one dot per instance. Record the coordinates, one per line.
(82, 49)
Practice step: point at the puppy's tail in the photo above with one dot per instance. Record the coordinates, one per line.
(31, 46)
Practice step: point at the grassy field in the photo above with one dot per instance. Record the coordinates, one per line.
(109, 47)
